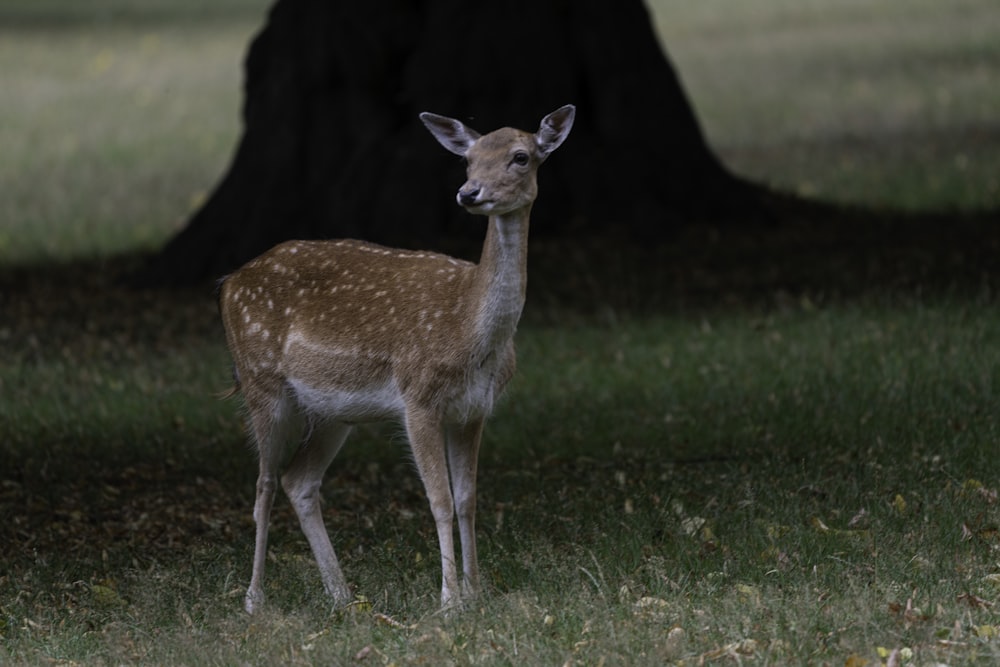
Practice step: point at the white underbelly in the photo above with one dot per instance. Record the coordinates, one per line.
(472, 399)
(375, 403)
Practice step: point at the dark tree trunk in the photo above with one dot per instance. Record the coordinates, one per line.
(332, 146)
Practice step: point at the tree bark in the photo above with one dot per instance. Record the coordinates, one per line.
(332, 146)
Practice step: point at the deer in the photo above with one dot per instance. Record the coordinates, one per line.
(327, 334)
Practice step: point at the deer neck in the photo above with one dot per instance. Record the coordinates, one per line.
(501, 278)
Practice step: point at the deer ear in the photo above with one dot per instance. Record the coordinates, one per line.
(554, 129)
(450, 133)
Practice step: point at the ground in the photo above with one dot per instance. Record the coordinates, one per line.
(771, 444)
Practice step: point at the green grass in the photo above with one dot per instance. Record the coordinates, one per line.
(891, 105)
(766, 446)
(116, 136)
(778, 483)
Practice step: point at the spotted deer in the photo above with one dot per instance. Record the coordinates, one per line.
(327, 334)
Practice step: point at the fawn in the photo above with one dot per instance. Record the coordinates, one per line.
(326, 334)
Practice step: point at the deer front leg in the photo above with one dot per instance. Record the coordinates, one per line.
(302, 481)
(427, 442)
(463, 454)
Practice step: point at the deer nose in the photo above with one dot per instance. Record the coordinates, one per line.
(468, 196)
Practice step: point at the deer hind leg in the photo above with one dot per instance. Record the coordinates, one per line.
(427, 442)
(463, 455)
(302, 481)
(274, 424)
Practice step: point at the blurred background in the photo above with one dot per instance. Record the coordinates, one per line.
(121, 116)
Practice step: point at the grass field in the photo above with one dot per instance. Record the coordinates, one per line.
(750, 447)
(892, 106)
(113, 138)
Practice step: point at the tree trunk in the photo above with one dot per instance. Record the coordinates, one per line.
(332, 146)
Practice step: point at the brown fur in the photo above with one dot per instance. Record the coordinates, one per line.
(328, 333)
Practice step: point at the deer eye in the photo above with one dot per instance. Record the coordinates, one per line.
(520, 158)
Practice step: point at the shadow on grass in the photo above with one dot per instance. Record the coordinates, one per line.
(810, 250)
(143, 478)
(805, 248)
(80, 317)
